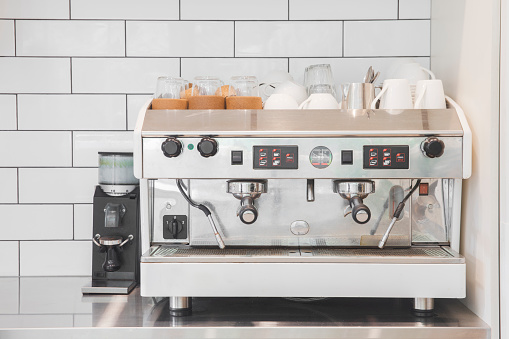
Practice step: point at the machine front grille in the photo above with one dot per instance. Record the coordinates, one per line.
(215, 252)
(435, 252)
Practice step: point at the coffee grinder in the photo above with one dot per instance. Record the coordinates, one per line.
(116, 227)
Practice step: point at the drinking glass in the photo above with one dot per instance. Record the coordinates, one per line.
(320, 74)
(245, 86)
(169, 87)
(205, 85)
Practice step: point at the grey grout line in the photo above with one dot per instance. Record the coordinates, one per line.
(15, 45)
(343, 41)
(220, 20)
(398, 10)
(17, 185)
(125, 38)
(17, 114)
(70, 69)
(126, 114)
(69, 9)
(73, 225)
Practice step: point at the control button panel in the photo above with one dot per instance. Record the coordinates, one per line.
(386, 157)
(275, 157)
(320, 157)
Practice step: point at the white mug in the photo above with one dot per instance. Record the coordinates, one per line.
(281, 101)
(395, 94)
(298, 92)
(429, 94)
(271, 80)
(320, 101)
(413, 72)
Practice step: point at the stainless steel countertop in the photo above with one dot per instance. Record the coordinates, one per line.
(53, 307)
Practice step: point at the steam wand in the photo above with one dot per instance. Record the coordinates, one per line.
(205, 210)
(397, 213)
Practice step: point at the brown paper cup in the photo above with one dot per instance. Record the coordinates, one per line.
(164, 103)
(243, 103)
(206, 102)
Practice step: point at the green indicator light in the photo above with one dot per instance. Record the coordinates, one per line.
(190, 147)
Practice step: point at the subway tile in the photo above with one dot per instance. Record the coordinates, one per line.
(288, 39)
(57, 185)
(7, 112)
(120, 75)
(414, 9)
(10, 260)
(36, 321)
(86, 145)
(134, 104)
(9, 185)
(72, 112)
(387, 38)
(70, 38)
(36, 222)
(228, 67)
(7, 45)
(180, 38)
(83, 221)
(53, 258)
(35, 149)
(234, 10)
(9, 292)
(347, 70)
(34, 9)
(35, 75)
(125, 9)
(343, 9)
(54, 295)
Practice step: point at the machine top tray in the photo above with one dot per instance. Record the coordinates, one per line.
(412, 255)
(301, 123)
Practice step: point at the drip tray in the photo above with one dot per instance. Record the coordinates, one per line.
(412, 255)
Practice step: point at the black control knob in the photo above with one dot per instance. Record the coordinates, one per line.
(171, 147)
(433, 147)
(360, 212)
(207, 147)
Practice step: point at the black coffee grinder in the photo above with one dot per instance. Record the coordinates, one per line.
(116, 227)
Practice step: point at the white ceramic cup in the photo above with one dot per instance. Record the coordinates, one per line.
(395, 94)
(320, 101)
(413, 72)
(280, 101)
(429, 94)
(298, 92)
(271, 80)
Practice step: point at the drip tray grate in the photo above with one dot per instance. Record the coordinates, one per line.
(417, 255)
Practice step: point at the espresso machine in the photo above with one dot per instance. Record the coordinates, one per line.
(116, 225)
(302, 203)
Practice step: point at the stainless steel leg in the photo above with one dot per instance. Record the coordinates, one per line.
(180, 306)
(424, 307)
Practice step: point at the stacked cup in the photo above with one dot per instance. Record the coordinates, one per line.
(243, 93)
(206, 93)
(320, 87)
(168, 93)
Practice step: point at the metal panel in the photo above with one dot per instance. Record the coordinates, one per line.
(190, 164)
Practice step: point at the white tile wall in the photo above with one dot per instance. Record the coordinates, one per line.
(234, 10)
(36, 222)
(57, 185)
(7, 112)
(125, 9)
(74, 74)
(34, 9)
(414, 9)
(115, 75)
(58, 38)
(387, 38)
(72, 112)
(47, 258)
(83, 218)
(31, 149)
(86, 145)
(7, 44)
(134, 104)
(35, 75)
(9, 185)
(180, 38)
(49, 295)
(9, 295)
(343, 9)
(226, 68)
(9, 252)
(288, 39)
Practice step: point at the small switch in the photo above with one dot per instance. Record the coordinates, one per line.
(346, 157)
(423, 188)
(237, 158)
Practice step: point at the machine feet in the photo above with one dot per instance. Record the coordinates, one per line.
(180, 306)
(424, 307)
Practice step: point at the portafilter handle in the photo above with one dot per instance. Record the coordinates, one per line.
(247, 211)
(361, 213)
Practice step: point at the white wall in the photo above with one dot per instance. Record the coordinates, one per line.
(75, 72)
(465, 54)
